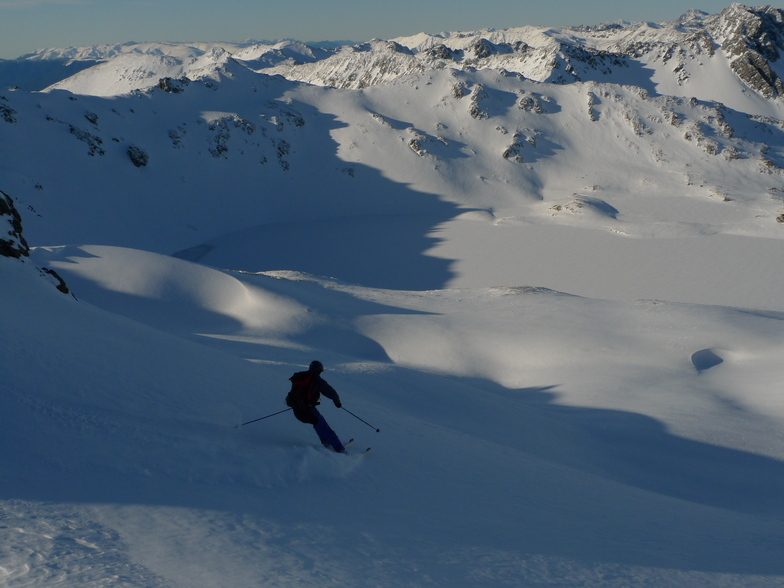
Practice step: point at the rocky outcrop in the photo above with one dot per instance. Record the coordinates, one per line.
(138, 156)
(93, 142)
(752, 38)
(7, 113)
(12, 243)
(478, 97)
(361, 66)
(173, 86)
(440, 51)
(514, 151)
(56, 280)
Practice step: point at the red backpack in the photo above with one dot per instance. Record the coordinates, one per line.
(301, 395)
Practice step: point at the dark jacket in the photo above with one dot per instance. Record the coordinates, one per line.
(309, 414)
(320, 386)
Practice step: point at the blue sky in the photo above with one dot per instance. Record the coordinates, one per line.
(27, 25)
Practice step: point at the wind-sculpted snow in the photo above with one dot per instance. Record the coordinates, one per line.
(186, 296)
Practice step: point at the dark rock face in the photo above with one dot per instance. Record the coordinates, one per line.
(56, 280)
(173, 86)
(12, 243)
(94, 142)
(752, 38)
(7, 114)
(441, 52)
(138, 156)
(756, 73)
(483, 49)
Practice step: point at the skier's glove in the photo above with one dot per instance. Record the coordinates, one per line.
(338, 404)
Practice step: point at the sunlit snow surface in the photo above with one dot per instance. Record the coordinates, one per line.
(573, 359)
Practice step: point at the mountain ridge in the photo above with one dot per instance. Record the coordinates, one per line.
(667, 58)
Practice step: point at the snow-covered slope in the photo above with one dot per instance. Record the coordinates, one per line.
(37, 75)
(122, 68)
(222, 169)
(131, 71)
(628, 443)
(559, 303)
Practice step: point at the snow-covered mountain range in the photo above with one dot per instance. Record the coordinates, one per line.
(688, 57)
(545, 263)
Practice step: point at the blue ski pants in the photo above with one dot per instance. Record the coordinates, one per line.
(327, 436)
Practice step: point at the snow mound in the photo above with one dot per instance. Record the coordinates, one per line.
(181, 294)
(587, 205)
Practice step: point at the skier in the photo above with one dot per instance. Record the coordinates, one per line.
(306, 387)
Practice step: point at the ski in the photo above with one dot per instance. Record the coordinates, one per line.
(345, 445)
(359, 453)
(350, 441)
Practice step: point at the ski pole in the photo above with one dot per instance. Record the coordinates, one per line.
(356, 417)
(262, 418)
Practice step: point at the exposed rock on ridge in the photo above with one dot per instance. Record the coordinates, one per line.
(752, 38)
(13, 244)
(671, 58)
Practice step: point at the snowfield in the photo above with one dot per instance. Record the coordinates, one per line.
(559, 304)
(526, 435)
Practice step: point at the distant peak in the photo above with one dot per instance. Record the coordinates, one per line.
(692, 17)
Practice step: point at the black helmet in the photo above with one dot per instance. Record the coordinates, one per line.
(316, 366)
